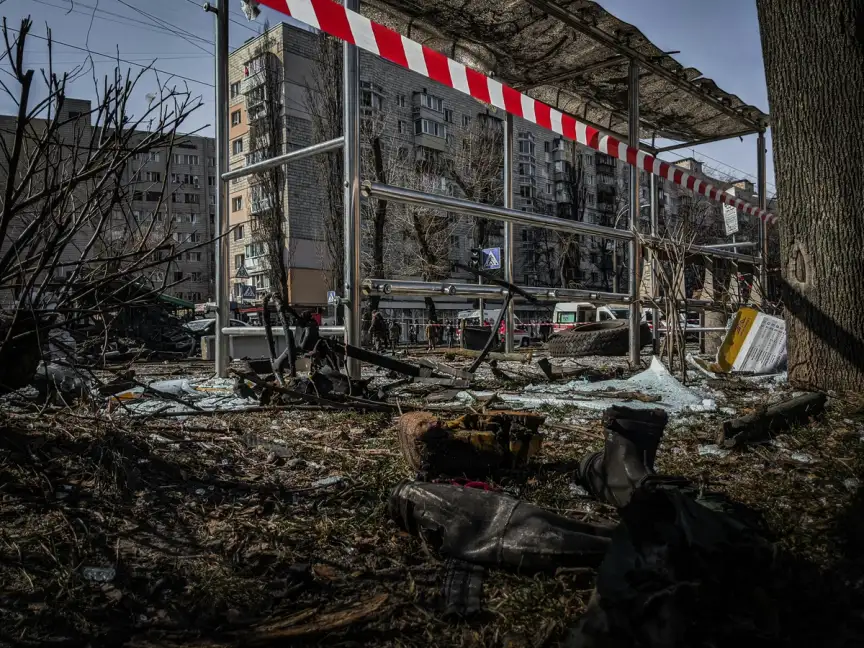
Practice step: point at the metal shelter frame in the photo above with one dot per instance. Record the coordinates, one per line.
(337, 22)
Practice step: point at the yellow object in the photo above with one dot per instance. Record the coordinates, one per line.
(742, 322)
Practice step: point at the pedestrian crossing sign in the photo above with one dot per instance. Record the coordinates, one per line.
(491, 258)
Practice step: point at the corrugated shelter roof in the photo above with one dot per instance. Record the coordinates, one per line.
(573, 55)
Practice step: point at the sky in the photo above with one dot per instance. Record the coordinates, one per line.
(721, 39)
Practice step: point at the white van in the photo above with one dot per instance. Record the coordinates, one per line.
(568, 314)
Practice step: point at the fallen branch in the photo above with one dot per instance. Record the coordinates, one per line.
(760, 425)
(524, 358)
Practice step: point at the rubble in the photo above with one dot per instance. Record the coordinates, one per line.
(248, 462)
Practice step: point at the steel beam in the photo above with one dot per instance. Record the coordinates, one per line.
(564, 76)
(609, 40)
(351, 225)
(474, 291)
(223, 244)
(709, 140)
(655, 228)
(635, 265)
(732, 246)
(293, 156)
(509, 242)
(459, 205)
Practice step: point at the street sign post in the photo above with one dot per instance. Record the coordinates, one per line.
(492, 258)
(242, 273)
(730, 216)
(331, 296)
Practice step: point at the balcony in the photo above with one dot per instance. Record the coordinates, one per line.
(261, 204)
(256, 111)
(256, 264)
(254, 80)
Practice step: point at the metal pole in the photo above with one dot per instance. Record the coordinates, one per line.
(351, 130)
(762, 188)
(293, 156)
(635, 247)
(480, 303)
(655, 227)
(508, 228)
(223, 249)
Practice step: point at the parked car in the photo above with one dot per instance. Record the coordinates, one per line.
(521, 333)
(568, 314)
(201, 328)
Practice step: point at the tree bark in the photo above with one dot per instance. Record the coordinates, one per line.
(814, 67)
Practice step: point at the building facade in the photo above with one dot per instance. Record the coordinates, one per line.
(415, 121)
(181, 179)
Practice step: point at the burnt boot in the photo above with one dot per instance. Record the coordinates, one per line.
(491, 529)
(632, 437)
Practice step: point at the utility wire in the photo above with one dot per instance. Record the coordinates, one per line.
(130, 22)
(159, 22)
(116, 58)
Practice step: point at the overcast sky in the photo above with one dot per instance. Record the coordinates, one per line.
(721, 39)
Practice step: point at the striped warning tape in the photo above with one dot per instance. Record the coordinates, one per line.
(382, 41)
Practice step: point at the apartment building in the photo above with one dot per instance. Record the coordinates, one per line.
(188, 208)
(417, 116)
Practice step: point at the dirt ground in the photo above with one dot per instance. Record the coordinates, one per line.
(272, 528)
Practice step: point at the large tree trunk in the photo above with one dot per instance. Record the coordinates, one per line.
(814, 66)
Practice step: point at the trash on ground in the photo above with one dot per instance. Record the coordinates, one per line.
(472, 445)
(755, 343)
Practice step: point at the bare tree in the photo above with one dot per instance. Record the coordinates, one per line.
(67, 235)
(324, 104)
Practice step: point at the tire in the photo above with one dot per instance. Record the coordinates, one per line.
(596, 338)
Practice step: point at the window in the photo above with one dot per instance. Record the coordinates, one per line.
(153, 196)
(256, 250)
(400, 126)
(239, 261)
(466, 121)
(400, 100)
(260, 281)
(454, 241)
(211, 161)
(235, 89)
(192, 218)
(237, 146)
(431, 102)
(193, 256)
(153, 176)
(74, 114)
(526, 144)
(527, 169)
(527, 191)
(236, 203)
(371, 95)
(211, 181)
(194, 237)
(589, 180)
(448, 115)
(196, 276)
(235, 118)
(429, 127)
(178, 276)
(180, 158)
(547, 147)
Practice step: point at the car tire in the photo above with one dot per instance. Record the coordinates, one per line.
(596, 338)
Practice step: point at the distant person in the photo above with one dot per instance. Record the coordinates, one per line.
(430, 335)
(378, 331)
(451, 334)
(395, 334)
(412, 332)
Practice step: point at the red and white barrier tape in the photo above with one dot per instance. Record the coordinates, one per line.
(358, 30)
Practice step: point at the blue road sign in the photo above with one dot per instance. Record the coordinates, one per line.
(249, 292)
(331, 296)
(491, 258)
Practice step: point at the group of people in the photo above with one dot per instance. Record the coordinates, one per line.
(385, 335)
